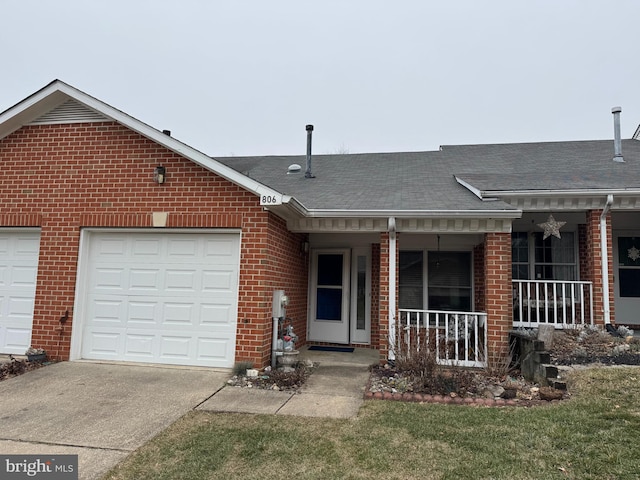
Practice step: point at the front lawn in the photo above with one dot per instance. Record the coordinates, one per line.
(595, 435)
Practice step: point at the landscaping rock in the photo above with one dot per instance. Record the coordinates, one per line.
(549, 394)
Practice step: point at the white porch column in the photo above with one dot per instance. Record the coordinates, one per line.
(604, 252)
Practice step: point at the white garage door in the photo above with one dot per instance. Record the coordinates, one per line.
(18, 272)
(168, 298)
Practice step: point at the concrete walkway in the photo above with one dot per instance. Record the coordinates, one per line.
(103, 412)
(334, 390)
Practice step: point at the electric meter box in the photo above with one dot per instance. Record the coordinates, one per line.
(280, 302)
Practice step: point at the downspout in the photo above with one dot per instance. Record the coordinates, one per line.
(605, 259)
(392, 287)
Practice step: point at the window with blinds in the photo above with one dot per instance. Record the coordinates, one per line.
(445, 283)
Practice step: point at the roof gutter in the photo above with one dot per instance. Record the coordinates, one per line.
(605, 259)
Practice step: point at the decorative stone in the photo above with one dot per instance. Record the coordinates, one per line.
(509, 393)
(493, 391)
(623, 347)
(549, 394)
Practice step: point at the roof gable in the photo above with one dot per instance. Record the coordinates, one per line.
(70, 111)
(59, 102)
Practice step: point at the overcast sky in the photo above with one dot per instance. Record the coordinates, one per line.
(245, 77)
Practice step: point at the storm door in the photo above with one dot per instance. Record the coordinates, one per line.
(330, 296)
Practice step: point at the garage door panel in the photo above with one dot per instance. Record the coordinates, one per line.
(221, 250)
(16, 338)
(143, 313)
(102, 345)
(109, 246)
(148, 247)
(176, 347)
(178, 314)
(181, 280)
(18, 276)
(112, 310)
(140, 346)
(109, 279)
(216, 316)
(214, 349)
(145, 280)
(221, 280)
(185, 249)
(174, 295)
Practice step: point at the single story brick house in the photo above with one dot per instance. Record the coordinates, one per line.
(120, 243)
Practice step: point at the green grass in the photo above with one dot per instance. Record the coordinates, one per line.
(593, 436)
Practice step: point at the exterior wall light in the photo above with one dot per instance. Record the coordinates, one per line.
(159, 174)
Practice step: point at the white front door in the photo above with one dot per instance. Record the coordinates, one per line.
(18, 272)
(330, 287)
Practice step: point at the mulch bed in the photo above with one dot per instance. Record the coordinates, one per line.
(481, 388)
(16, 366)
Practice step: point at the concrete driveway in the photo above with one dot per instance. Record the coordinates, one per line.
(102, 412)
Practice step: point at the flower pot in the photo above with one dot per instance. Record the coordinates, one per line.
(37, 357)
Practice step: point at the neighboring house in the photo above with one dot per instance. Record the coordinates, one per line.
(120, 243)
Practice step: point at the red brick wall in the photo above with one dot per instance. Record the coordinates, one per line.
(478, 278)
(498, 292)
(64, 177)
(591, 263)
(375, 295)
(286, 269)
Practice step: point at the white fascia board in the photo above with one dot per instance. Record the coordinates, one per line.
(57, 92)
(415, 213)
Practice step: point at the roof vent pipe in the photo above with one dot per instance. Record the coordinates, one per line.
(617, 140)
(307, 173)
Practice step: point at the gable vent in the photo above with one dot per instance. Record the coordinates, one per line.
(70, 111)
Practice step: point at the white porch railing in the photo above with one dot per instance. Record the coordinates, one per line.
(560, 303)
(455, 338)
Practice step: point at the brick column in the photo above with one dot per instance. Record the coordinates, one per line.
(383, 335)
(383, 301)
(498, 292)
(591, 263)
(478, 278)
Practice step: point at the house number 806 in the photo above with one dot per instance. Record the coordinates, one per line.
(270, 200)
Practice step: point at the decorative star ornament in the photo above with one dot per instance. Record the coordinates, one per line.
(633, 253)
(551, 227)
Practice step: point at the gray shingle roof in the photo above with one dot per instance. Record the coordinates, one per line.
(426, 180)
